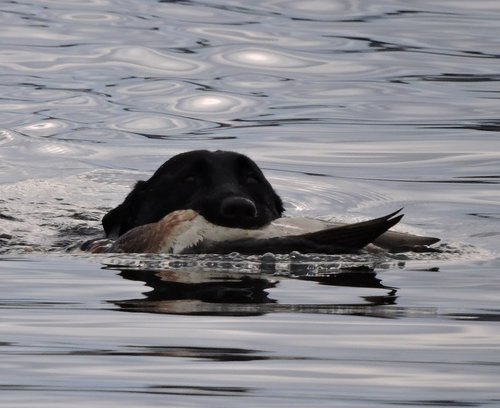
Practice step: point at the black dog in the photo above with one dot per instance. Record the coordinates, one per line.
(226, 188)
(229, 190)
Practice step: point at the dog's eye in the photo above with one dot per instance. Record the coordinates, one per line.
(189, 179)
(251, 179)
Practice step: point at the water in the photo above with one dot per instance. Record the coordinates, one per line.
(353, 109)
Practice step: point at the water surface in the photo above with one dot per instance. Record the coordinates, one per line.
(353, 109)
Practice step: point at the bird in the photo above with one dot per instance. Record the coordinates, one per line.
(188, 232)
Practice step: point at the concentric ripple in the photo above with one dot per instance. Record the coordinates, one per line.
(211, 103)
(155, 124)
(267, 58)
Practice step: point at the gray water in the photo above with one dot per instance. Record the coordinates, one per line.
(353, 109)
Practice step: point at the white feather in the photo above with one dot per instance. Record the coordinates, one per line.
(199, 230)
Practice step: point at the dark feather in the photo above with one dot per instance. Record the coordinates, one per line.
(344, 239)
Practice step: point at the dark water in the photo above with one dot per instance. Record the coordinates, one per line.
(353, 109)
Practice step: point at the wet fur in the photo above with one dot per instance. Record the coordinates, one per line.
(205, 182)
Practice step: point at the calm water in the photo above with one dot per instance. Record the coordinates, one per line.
(353, 109)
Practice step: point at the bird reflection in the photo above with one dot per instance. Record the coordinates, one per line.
(238, 292)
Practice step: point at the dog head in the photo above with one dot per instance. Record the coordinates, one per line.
(227, 188)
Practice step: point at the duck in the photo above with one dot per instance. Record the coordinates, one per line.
(188, 232)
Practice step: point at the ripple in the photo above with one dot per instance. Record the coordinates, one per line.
(279, 37)
(83, 107)
(99, 62)
(44, 128)
(255, 82)
(99, 3)
(53, 157)
(36, 35)
(271, 59)
(153, 58)
(267, 58)
(149, 87)
(209, 103)
(321, 6)
(84, 100)
(91, 17)
(186, 13)
(32, 92)
(6, 137)
(328, 197)
(155, 124)
(326, 10)
(58, 149)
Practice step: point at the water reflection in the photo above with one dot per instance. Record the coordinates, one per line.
(205, 353)
(215, 288)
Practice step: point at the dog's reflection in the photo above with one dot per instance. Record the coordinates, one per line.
(239, 293)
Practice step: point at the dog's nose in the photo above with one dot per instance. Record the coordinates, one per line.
(238, 207)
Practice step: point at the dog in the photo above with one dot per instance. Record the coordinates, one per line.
(227, 188)
(221, 202)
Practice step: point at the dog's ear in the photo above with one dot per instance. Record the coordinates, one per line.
(121, 218)
(111, 222)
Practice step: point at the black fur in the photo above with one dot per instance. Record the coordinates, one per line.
(227, 188)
